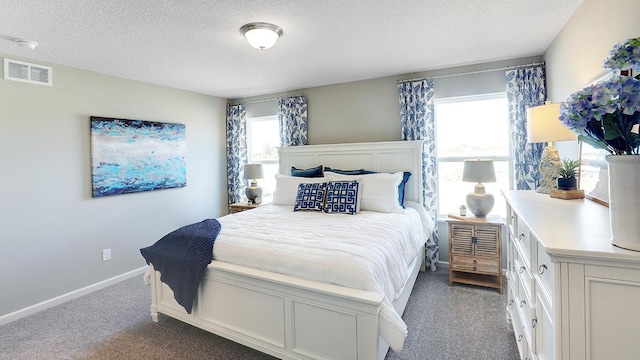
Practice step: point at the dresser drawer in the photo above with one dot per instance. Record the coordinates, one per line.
(518, 329)
(525, 311)
(545, 271)
(545, 329)
(526, 283)
(512, 282)
(523, 242)
(476, 264)
(512, 221)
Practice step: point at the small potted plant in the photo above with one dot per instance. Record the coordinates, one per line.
(568, 176)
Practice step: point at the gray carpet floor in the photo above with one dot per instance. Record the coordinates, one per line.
(458, 322)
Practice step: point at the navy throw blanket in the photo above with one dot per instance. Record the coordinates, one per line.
(182, 256)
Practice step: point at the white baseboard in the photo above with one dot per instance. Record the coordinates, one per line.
(5, 319)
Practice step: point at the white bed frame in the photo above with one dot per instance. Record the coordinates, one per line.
(292, 318)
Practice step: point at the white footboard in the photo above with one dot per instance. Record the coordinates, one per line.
(279, 315)
(284, 316)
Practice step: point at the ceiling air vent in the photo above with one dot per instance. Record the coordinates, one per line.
(27, 72)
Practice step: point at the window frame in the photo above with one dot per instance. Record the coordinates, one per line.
(454, 159)
(250, 135)
(267, 182)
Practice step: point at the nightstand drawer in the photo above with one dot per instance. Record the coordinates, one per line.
(476, 264)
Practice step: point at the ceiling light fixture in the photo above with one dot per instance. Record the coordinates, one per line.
(28, 44)
(261, 35)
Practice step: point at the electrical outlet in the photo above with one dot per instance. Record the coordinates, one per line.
(106, 254)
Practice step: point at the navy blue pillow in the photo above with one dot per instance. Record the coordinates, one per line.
(405, 178)
(310, 172)
(348, 172)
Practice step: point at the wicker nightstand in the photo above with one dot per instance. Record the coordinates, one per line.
(238, 207)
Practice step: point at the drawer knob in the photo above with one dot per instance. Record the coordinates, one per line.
(510, 302)
(534, 322)
(542, 268)
(520, 237)
(475, 261)
(522, 269)
(522, 303)
(474, 268)
(520, 337)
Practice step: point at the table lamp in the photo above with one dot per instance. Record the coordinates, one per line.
(543, 125)
(253, 172)
(478, 171)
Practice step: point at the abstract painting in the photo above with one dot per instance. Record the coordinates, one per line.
(129, 156)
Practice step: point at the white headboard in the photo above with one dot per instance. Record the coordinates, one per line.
(387, 156)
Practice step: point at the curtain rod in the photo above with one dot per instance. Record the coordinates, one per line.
(265, 100)
(259, 101)
(469, 72)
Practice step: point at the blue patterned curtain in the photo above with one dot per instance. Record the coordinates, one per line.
(418, 123)
(292, 116)
(236, 151)
(525, 88)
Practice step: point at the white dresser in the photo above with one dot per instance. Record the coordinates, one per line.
(572, 295)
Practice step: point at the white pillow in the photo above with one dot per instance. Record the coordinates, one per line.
(287, 188)
(379, 190)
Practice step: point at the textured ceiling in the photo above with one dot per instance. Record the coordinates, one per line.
(196, 44)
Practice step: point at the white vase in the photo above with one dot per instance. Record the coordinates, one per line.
(624, 200)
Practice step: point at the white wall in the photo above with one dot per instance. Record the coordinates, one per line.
(575, 57)
(369, 110)
(51, 230)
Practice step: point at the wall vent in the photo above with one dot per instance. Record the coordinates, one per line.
(27, 72)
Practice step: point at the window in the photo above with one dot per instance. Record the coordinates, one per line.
(263, 140)
(471, 127)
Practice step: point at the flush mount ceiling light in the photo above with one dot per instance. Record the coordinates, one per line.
(28, 44)
(23, 43)
(261, 35)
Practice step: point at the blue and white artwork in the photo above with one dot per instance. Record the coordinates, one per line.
(129, 156)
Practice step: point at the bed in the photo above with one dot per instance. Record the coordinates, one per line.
(308, 317)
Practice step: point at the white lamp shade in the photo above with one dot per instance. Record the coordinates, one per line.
(253, 171)
(543, 125)
(261, 35)
(478, 171)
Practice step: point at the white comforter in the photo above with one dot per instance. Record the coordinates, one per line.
(369, 251)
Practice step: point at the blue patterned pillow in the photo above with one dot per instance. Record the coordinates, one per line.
(343, 197)
(310, 196)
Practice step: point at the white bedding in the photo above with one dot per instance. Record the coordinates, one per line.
(369, 251)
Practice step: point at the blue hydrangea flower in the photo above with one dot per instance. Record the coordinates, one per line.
(606, 115)
(625, 56)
